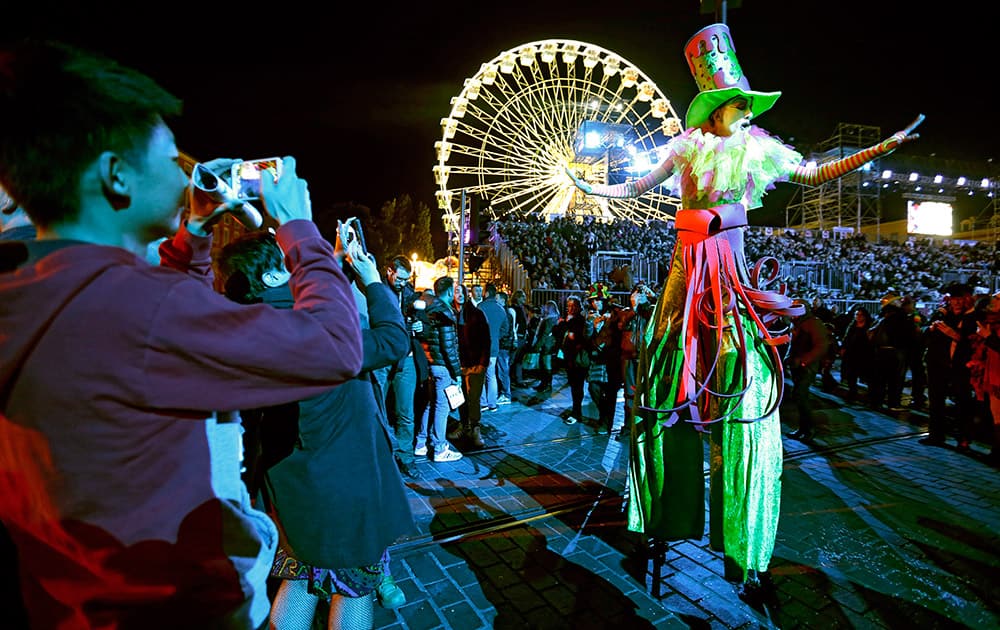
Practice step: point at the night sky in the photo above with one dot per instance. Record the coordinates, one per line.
(358, 98)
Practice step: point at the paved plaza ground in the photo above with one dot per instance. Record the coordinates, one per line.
(876, 531)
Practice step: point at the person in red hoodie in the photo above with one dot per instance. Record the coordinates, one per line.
(119, 466)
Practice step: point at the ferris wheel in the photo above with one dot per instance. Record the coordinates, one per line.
(539, 107)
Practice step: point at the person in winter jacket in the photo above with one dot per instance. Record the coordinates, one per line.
(474, 355)
(439, 339)
(573, 340)
(311, 447)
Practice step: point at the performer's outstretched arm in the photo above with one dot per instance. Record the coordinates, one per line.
(628, 189)
(832, 170)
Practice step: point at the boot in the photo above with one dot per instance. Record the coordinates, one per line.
(457, 431)
(476, 437)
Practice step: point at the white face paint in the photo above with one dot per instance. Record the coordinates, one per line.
(733, 117)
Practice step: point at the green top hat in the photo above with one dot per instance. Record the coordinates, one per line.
(712, 59)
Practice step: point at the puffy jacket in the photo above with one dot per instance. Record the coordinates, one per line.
(440, 337)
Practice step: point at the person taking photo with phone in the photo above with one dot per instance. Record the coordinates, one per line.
(119, 483)
(342, 434)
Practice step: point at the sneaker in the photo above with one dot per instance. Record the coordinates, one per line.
(569, 420)
(503, 400)
(388, 594)
(484, 408)
(420, 451)
(447, 455)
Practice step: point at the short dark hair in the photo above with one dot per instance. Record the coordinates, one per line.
(401, 262)
(442, 284)
(491, 290)
(242, 263)
(60, 108)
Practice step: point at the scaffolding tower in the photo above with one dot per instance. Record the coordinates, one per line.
(848, 201)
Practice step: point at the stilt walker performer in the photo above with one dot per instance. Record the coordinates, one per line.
(708, 363)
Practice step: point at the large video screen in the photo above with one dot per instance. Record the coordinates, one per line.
(928, 217)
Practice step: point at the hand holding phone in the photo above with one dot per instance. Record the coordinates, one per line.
(287, 198)
(363, 265)
(356, 233)
(246, 176)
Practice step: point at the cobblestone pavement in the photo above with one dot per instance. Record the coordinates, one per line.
(876, 531)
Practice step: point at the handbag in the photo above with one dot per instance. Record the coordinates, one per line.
(455, 396)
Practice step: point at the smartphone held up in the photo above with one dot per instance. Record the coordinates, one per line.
(246, 176)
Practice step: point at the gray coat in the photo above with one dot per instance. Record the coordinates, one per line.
(496, 315)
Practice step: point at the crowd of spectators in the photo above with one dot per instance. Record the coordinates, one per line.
(557, 254)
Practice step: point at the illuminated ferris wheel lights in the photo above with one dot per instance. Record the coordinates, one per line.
(489, 73)
(630, 76)
(507, 63)
(659, 108)
(441, 174)
(570, 53)
(527, 56)
(549, 52)
(443, 150)
(472, 87)
(459, 106)
(612, 65)
(443, 199)
(509, 140)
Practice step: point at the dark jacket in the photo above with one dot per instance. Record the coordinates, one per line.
(416, 351)
(938, 354)
(473, 337)
(810, 342)
(440, 337)
(520, 323)
(342, 463)
(857, 348)
(580, 343)
(894, 329)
